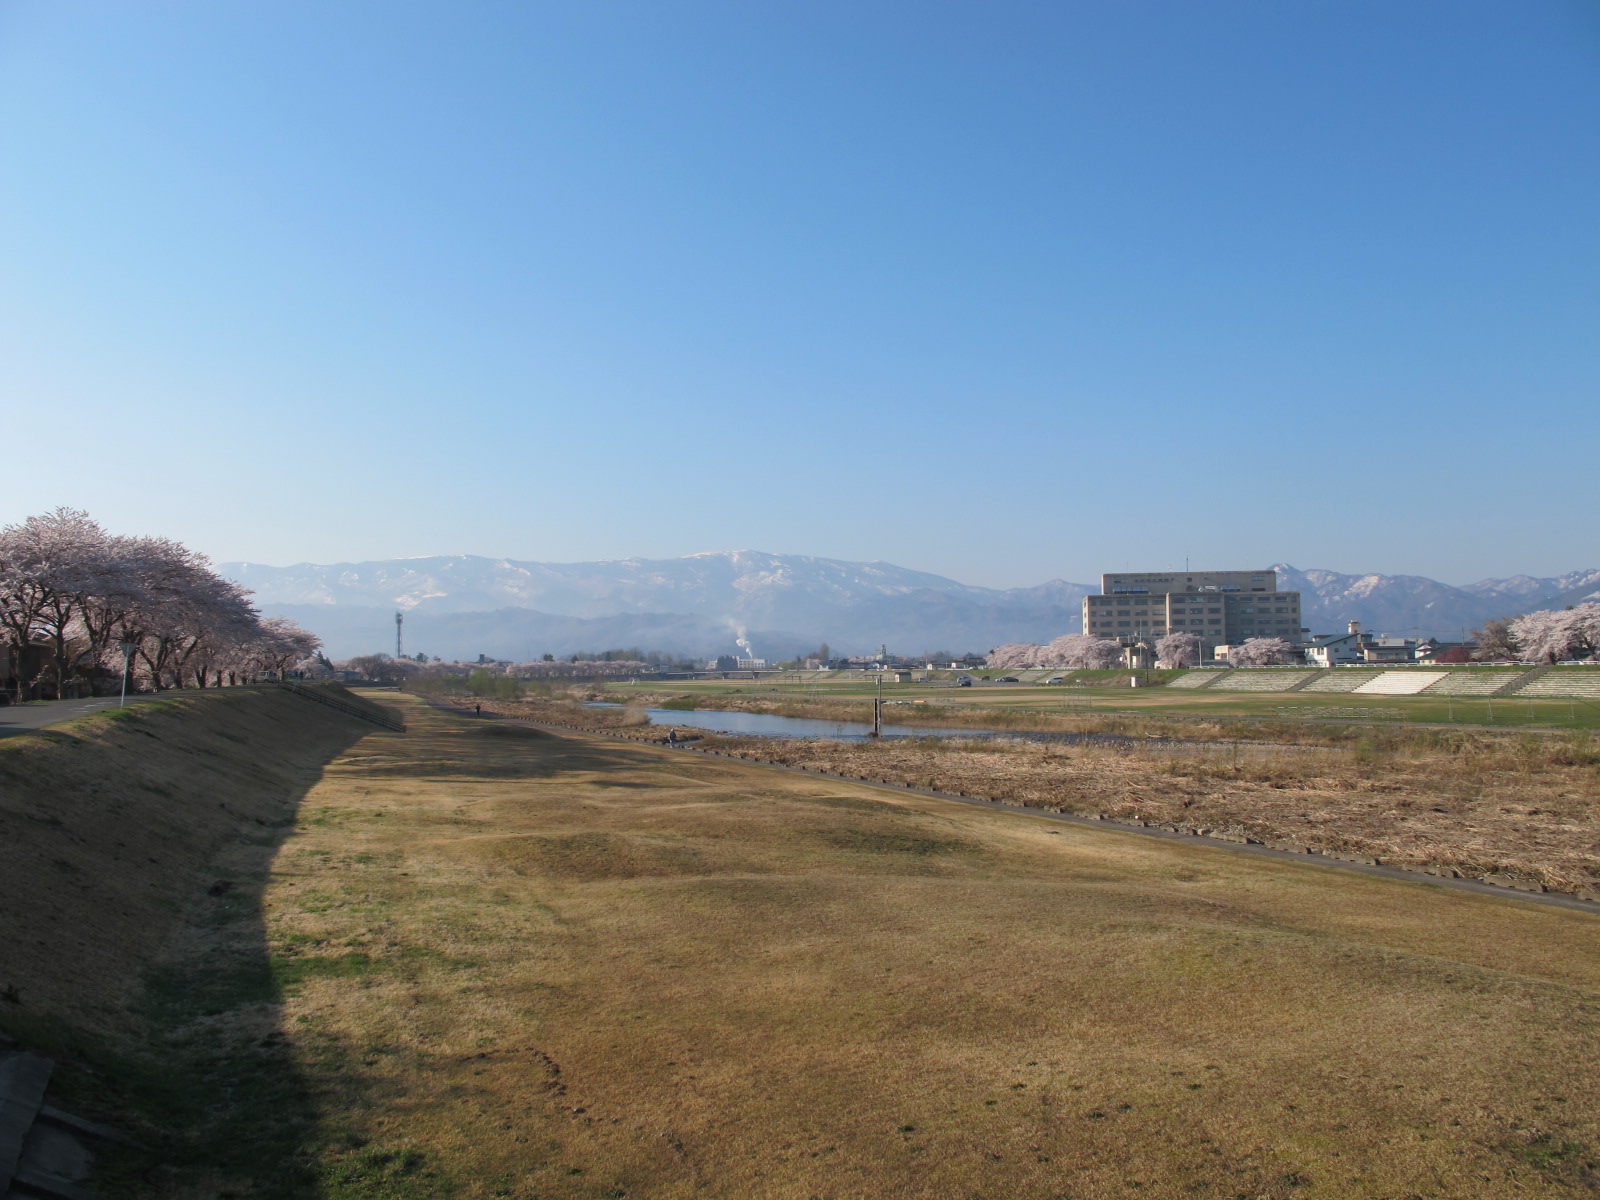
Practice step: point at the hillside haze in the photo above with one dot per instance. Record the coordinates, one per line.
(459, 606)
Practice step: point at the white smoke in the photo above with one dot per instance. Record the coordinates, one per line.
(744, 643)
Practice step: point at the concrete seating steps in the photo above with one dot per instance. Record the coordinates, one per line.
(1582, 684)
(1255, 680)
(1341, 679)
(1471, 683)
(1197, 678)
(1401, 683)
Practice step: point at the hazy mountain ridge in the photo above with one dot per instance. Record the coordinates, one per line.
(1413, 604)
(459, 606)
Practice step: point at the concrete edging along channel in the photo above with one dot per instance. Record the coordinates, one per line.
(1304, 857)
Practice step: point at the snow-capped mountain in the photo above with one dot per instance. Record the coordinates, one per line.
(1408, 605)
(697, 604)
(747, 584)
(1532, 592)
(463, 605)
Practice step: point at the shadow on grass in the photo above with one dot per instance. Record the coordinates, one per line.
(219, 1099)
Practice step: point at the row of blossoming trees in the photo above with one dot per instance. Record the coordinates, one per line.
(1078, 651)
(72, 595)
(383, 669)
(1549, 636)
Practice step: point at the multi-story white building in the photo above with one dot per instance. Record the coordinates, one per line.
(1221, 607)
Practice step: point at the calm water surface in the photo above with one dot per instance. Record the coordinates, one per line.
(768, 725)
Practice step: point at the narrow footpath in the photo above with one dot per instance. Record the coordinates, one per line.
(41, 714)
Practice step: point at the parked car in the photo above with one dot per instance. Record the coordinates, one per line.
(964, 681)
(1008, 679)
(1056, 679)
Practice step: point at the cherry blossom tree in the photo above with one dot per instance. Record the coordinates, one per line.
(1261, 652)
(1080, 651)
(277, 645)
(1178, 650)
(580, 669)
(1552, 635)
(53, 570)
(1494, 640)
(189, 616)
(1015, 656)
(66, 583)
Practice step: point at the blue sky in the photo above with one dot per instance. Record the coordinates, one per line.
(1007, 291)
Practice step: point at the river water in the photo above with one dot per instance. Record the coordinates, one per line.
(769, 725)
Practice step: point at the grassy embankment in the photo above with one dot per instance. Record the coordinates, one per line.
(133, 851)
(510, 964)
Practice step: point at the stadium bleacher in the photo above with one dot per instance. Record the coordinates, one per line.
(1342, 679)
(1472, 683)
(1406, 682)
(1581, 683)
(1198, 678)
(1259, 680)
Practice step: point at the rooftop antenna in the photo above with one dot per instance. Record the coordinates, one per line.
(399, 646)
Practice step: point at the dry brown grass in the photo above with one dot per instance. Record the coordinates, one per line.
(1526, 807)
(109, 828)
(1477, 805)
(530, 966)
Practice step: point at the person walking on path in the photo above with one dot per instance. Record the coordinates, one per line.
(477, 710)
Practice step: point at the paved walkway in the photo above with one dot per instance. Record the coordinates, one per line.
(20, 718)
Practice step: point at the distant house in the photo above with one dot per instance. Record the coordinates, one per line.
(1357, 646)
(1434, 653)
(1335, 649)
(1389, 650)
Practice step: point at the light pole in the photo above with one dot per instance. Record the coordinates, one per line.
(127, 649)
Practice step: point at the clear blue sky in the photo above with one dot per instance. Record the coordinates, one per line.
(1007, 291)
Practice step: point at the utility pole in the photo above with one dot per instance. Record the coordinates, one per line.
(877, 709)
(399, 645)
(127, 649)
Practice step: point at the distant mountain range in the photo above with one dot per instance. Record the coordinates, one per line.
(459, 606)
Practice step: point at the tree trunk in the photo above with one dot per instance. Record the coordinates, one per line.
(60, 639)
